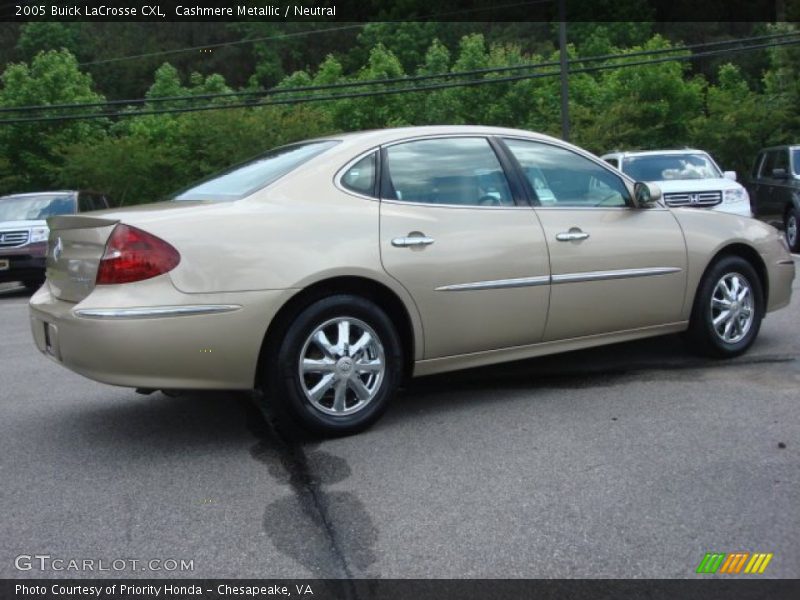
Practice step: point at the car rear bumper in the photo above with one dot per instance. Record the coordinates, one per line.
(187, 341)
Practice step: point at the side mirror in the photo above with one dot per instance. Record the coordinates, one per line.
(730, 175)
(646, 194)
(780, 174)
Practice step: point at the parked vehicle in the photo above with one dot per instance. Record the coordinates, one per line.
(686, 178)
(326, 271)
(775, 189)
(23, 230)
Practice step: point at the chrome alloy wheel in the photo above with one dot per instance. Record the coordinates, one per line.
(732, 308)
(341, 377)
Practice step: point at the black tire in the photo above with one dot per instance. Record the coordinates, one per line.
(702, 335)
(791, 227)
(32, 286)
(291, 391)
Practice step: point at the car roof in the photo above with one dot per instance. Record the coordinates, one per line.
(382, 136)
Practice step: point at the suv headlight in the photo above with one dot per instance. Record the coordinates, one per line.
(39, 234)
(735, 195)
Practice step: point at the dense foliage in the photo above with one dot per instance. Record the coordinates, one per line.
(730, 105)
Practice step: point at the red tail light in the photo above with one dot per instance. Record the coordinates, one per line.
(133, 255)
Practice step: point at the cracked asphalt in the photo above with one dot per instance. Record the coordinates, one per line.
(632, 460)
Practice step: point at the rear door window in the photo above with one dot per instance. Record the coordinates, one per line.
(461, 171)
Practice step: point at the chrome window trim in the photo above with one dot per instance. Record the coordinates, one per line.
(456, 206)
(149, 312)
(496, 284)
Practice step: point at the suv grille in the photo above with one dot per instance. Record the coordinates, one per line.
(9, 239)
(693, 198)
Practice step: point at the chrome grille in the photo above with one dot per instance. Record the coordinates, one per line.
(9, 239)
(693, 198)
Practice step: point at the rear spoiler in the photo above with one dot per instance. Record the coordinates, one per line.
(78, 222)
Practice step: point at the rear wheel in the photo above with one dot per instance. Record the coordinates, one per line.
(338, 365)
(790, 223)
(728, 309)
(33, 285)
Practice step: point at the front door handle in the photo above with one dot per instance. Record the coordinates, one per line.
(412, 241)
(574, 234)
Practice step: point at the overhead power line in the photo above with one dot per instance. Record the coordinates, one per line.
(403, 90)
(307, 32)
(407, 79)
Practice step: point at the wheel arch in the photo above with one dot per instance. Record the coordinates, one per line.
(747, 253)
(386, 298)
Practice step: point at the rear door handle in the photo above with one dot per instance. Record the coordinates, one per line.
(572, 235)
(411, 241)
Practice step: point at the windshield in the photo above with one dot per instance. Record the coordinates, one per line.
(35, 208)
(244, 179)
(660, 167)
(796, 161)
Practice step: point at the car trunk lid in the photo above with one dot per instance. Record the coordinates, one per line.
(75, 246)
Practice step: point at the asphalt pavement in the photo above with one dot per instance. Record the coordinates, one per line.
(631, 460)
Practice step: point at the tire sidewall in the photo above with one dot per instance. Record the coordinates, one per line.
(288, 389)
(702, 309)
(793, 214)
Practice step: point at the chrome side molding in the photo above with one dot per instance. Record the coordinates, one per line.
(150, 312)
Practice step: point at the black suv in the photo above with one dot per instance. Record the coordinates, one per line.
(23, 229)
(774, 189)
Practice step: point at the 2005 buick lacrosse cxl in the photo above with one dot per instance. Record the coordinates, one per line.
(326, 271)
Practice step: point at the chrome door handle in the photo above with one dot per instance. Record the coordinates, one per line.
(571, 235)
(407, 242)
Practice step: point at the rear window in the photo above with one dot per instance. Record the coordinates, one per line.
(244, 179)
(36, 208)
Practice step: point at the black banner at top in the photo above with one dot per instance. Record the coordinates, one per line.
(353, 11)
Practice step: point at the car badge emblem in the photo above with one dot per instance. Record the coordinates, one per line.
(694, 198)
(58, 249)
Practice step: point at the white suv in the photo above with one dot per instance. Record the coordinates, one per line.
(686, 178)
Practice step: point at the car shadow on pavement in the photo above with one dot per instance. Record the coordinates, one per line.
(14, 290)
(160, 424)
(154, 426)
(603, 366)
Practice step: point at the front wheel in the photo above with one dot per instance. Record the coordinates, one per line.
(790, 227)
(728, 309)
(338, 365)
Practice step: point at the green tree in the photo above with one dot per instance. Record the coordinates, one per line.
(39, 36)
(32, 150)
(738, 122)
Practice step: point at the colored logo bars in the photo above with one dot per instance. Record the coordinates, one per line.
(732, 563)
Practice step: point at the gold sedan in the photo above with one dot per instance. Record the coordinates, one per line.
(326, 271)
